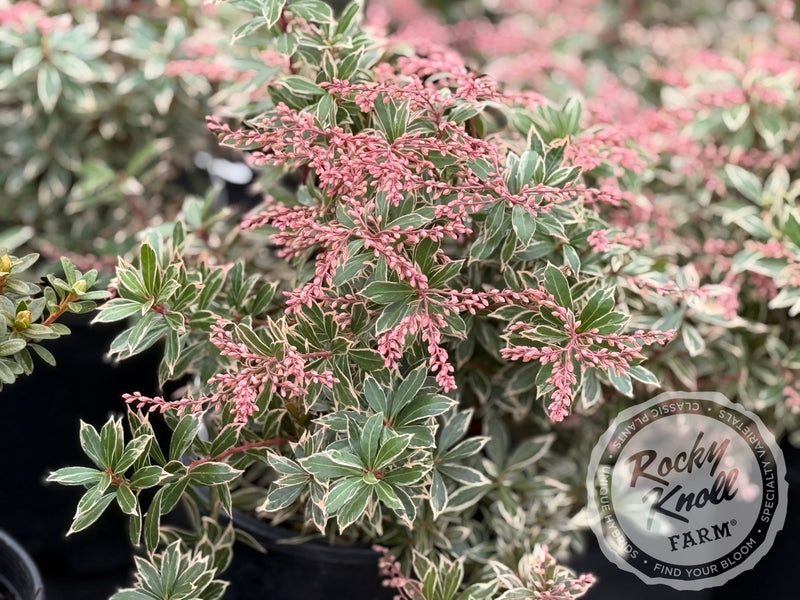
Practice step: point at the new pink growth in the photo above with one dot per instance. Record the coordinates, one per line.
(792, 399)
(18, 14)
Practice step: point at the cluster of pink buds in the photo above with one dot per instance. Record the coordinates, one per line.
(584, 349)
(393, 577)
(289, 376)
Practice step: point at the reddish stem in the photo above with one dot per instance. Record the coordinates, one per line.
(62, 308)
(276, 441)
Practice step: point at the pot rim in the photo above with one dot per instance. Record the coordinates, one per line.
(277, 539)
(27, 563)
(318, 549)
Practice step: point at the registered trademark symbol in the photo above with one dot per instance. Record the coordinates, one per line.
(733, 522)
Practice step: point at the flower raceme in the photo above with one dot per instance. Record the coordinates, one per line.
(590, 348)
(289, 376)
(240, 387)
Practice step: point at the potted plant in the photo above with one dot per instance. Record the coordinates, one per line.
(410, 380)
(32, 314)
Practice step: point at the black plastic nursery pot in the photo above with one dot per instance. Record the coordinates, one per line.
(19, 577)
(311, 570)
